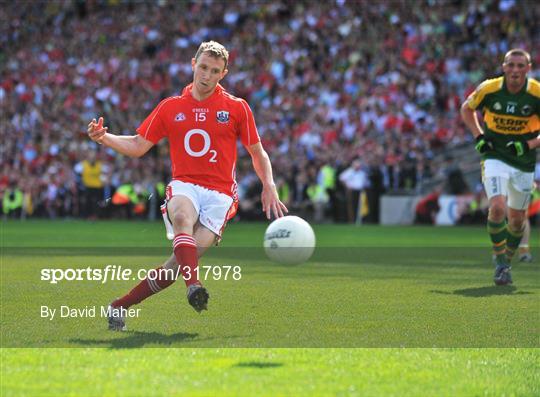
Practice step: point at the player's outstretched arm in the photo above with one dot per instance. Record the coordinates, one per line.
(132, 146)
(271, 203)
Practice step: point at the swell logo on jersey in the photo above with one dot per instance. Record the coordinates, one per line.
(180, 117)
(223, 116)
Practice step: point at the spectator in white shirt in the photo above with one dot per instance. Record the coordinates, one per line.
(355, 180)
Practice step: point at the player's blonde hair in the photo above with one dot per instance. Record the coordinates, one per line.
(214, 49)
(518, 52)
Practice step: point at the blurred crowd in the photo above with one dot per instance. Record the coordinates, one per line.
(352, 98)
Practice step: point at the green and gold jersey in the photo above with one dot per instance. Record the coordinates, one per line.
(508, 117)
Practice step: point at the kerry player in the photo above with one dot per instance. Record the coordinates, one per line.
(202, 125)
(507, 142)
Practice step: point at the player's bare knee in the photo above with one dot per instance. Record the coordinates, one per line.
(182, 219)
(516, 223)
(497, 212)
(516, 227)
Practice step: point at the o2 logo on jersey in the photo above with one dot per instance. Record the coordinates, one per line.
(206, 147)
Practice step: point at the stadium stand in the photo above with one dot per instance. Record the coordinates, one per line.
(329, 82)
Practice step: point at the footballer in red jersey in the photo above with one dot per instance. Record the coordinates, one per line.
(202, 126)
(203, 136)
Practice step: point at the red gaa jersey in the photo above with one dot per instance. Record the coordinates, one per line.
(202, 136)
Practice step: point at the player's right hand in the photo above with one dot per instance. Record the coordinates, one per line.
(96, 131)
(483, 144)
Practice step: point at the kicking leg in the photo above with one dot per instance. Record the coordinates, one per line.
(184, 217)
(204, 238)
(161, 278)
(197, 295)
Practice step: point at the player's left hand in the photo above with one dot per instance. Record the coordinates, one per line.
(518, 148)
(271, 203)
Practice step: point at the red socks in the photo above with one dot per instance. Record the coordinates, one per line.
(156, 280)
(185, 251)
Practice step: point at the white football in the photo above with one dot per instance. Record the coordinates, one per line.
(289, 240)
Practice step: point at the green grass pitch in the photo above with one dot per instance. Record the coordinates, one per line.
(404, 311)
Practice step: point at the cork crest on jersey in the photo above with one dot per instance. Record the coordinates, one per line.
(222, 116)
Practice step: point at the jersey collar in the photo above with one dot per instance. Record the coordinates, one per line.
(522, 89)
(187, 92)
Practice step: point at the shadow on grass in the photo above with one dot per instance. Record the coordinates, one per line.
(482, 292)
(258, 364)
(137, 339)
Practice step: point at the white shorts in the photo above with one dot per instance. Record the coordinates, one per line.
(214, 208)
(501, 179)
